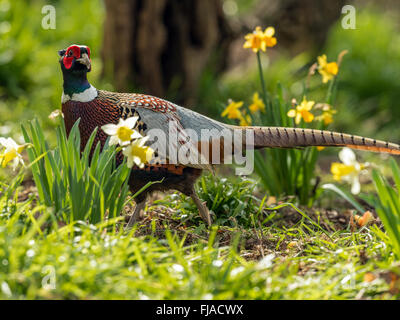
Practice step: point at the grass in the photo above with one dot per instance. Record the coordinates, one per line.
(388, 206)
(277, 254)
(78, 186)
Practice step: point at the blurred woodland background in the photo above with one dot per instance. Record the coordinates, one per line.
(190, 52)
(320, 242)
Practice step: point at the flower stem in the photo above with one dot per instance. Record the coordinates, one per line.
(329, 95)
(261, 77)
(264, 89)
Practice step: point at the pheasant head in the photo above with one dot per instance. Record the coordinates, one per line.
(75, 64)
(75, 59)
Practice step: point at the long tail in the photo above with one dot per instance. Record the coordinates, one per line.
(280, 137)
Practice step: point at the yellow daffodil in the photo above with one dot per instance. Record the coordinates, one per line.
(327, 117)
(259, 40)
(268, 37)
(349, 170)
(123, 132)
(302, 111)
(245, 120)
(320, 148)
(137, 153)
(11, 152)
(339, 170)
(257, 105)
(232, 110)
(327, 114)
(327, 70)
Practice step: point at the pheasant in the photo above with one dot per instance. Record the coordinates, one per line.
(96, 108)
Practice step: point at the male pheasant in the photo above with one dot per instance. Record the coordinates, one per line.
(96, 108)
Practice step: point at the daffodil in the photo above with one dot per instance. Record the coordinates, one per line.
(257, 105)
(232, 110)
(268, 37)
(137, 153)
(55, 114)
(349, 170)
(245, 120)
(123, 132)
(327, 70)
(11, 152)
(327, 117)
(327, 114)
(302, 111)
(259, 40)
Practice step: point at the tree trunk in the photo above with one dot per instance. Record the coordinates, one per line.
(163, 46)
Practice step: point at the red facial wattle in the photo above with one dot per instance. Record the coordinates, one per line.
(73, 52)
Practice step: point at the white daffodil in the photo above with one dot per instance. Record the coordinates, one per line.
(11, 151)
(123, 132)
(55, 114)
(137, 153)
(349, 170)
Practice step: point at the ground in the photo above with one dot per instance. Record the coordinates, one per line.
(285, 253)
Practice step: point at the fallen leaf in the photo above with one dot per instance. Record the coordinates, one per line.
(365, 219)
(291, 244)
(270, 201)
(369, 277)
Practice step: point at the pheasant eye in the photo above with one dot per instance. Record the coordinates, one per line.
(70, 53)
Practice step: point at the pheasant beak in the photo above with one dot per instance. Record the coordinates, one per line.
(85, 60)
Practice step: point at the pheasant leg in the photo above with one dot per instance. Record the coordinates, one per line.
(203, 210)
(136, 214)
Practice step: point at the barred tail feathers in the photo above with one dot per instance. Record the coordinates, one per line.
(280, 137)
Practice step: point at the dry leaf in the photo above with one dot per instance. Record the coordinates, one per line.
(270, 201)
(363, 221)
(369, 277)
